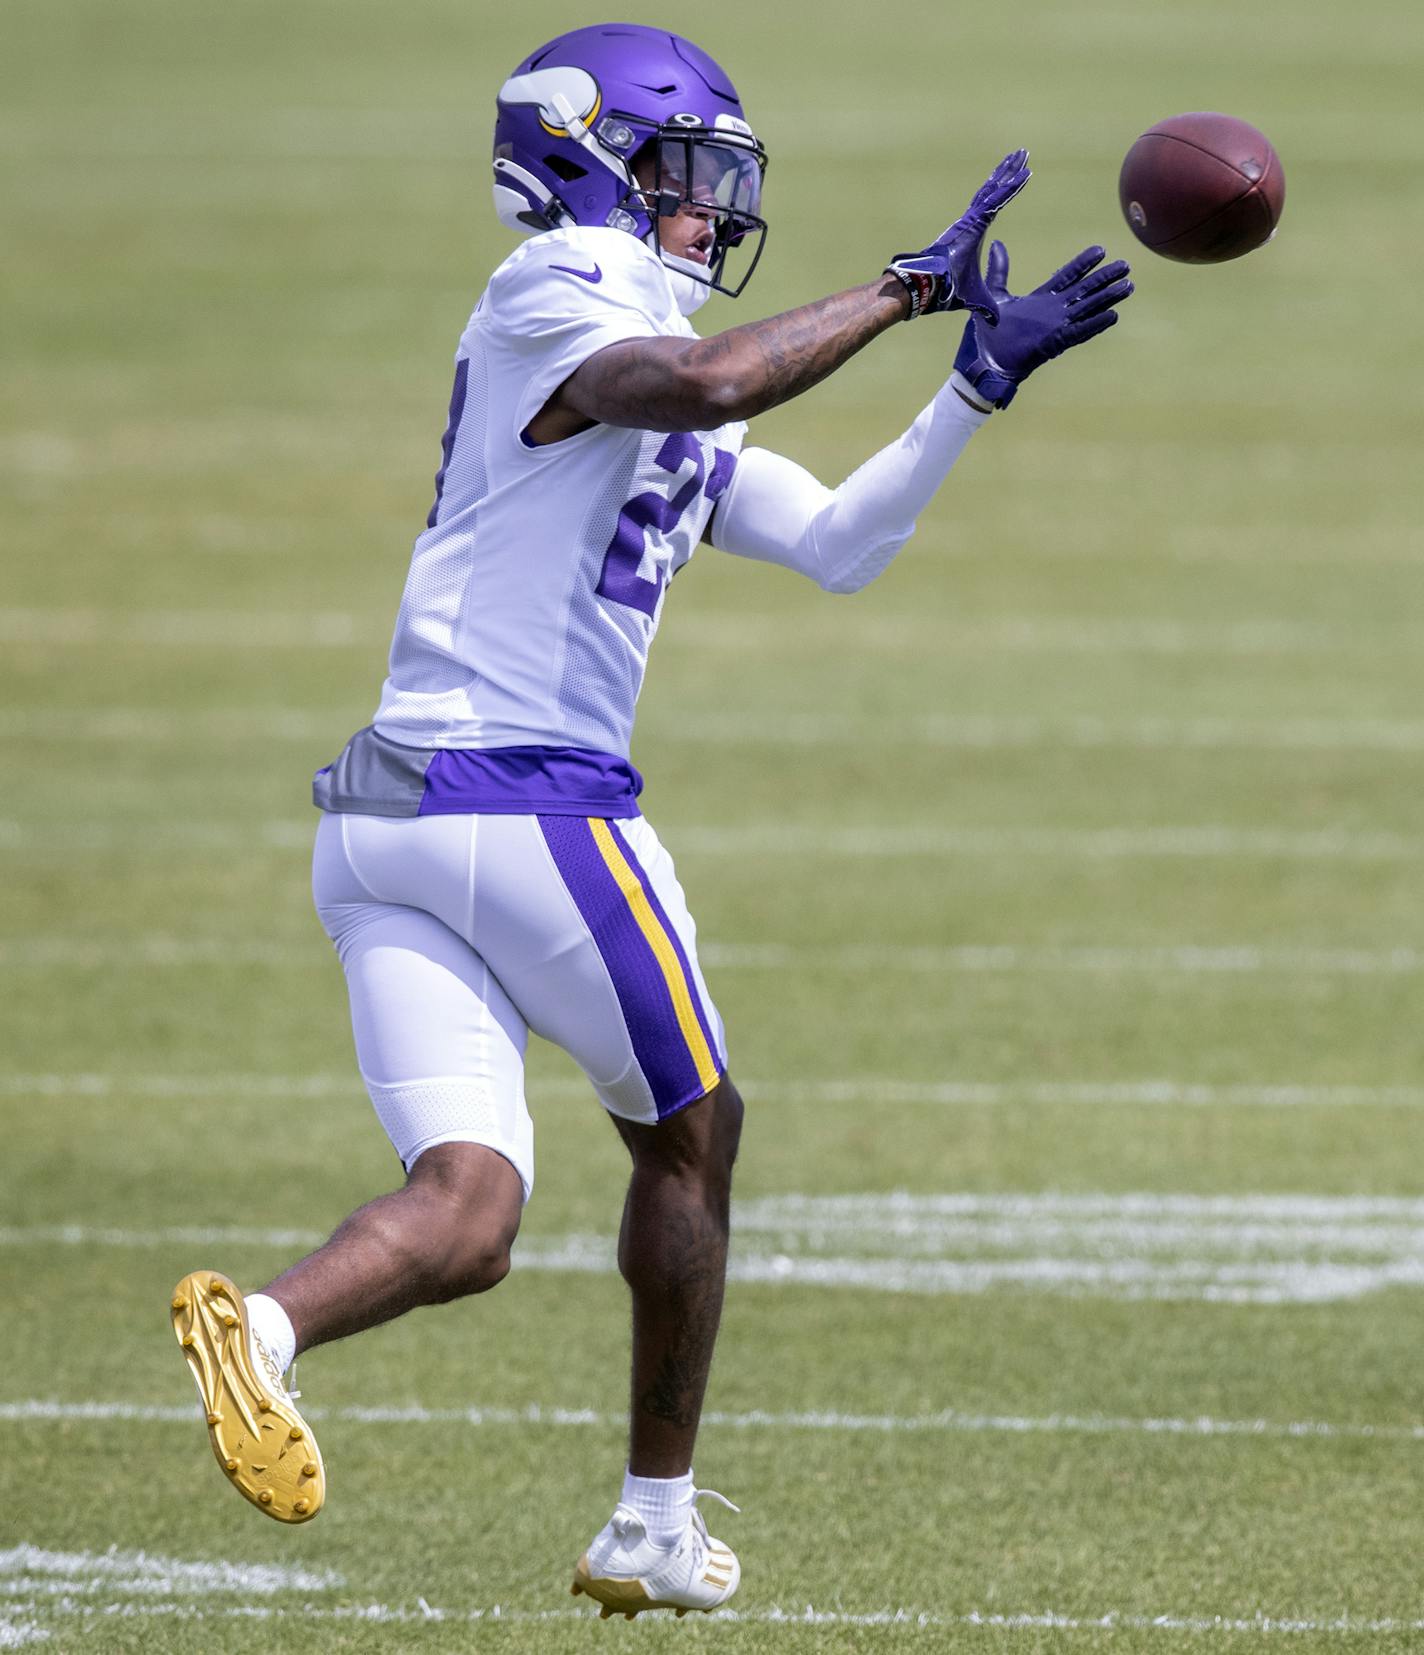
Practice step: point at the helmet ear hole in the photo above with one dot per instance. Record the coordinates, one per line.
(562, 167)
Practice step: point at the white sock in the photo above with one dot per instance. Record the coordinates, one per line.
(664, 1504)
(271, 1324)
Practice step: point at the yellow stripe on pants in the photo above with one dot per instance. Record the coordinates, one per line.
(663, 951)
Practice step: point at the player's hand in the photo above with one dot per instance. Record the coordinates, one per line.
(1073, 305)
(945, 276)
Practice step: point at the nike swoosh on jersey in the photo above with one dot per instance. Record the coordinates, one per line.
(595, 275)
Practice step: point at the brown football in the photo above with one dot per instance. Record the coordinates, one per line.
(1202, 188)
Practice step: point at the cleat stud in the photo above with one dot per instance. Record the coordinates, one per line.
(217, 1286)
(295, 1433)
(264, 1406)
(230, 1465)
(214, 1419)
(681, 1613)
(605, 1613)
(309, 1469)
(229, 1321)
(188, 1341)
(265, 1497)
(179, 1302)
(628, 1614)
(301, 1506)
(575, 1590)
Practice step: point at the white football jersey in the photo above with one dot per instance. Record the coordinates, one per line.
(535, 591)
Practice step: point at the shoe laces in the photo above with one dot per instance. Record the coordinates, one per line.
(697, 1528)
(712, 1494)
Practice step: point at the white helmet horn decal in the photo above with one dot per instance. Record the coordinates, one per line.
(568, 98)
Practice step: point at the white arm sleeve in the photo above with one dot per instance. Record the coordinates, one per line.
(776, 512)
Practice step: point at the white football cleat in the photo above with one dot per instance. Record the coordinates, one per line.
(262, 1443)
(626, 1573)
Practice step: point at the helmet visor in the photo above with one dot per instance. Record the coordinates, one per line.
(719, 180)
(711, 174)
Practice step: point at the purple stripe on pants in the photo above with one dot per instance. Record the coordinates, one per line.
(638, 981)
(673, 937)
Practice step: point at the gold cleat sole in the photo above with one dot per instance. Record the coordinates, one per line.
(262, 1443)
(621, 1597)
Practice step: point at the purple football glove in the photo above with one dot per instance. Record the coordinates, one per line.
(946, 275)
(1074, 304)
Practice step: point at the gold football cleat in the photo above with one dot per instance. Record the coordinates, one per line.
(264, 1446)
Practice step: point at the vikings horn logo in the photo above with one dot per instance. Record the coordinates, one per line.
(567, 98)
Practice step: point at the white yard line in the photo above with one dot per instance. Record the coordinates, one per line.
(137, 1573)
(951, 1420)
(1247, 1249)
(975, 959)
(45, 1585)
(19, 1634)
(902, 1619)
(1154, 1093)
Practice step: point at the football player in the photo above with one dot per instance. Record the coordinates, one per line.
(481, 864)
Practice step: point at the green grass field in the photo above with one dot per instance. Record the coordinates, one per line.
(1061, 892)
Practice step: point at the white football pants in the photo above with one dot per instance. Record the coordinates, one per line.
(459, 934)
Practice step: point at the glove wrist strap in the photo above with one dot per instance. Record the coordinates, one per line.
(919, 284)
(967, 391)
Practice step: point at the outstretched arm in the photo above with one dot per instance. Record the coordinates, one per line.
(660, 384)
(698, 384)
(775, 511)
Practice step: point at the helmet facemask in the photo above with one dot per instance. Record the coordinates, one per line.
(717, 174)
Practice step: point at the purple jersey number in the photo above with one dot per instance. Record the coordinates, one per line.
(620, 581)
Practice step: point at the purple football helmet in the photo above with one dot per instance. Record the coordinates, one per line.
(575, 114)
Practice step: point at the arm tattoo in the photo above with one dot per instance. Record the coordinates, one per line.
(696, 384)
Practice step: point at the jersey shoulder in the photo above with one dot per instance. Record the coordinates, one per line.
(580, 271)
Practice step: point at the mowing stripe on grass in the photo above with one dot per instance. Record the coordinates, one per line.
(39, 1411)
(882, 1089)
(1256, 1249)
(1187, 959)
(1108, 844)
